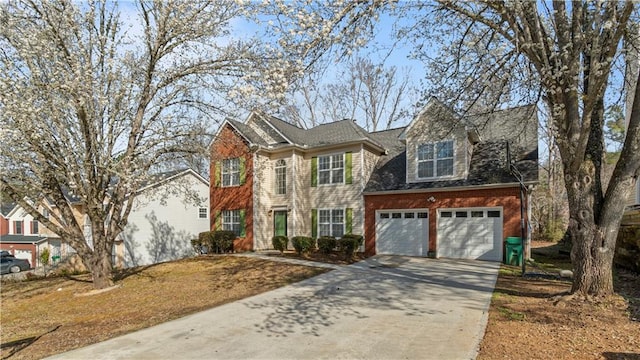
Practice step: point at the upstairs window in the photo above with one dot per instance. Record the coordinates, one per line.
(281, 177)
(231, 172)
(435, 159)
(17, 227)
(34, 227)
(331, 169)
(202, 213)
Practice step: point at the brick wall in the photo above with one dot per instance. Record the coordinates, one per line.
(507, 198)
(230, 145)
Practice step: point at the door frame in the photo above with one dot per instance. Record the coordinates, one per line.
(286, 220)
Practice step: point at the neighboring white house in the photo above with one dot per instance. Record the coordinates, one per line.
(167, 214)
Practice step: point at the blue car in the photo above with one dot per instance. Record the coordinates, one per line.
(10, 264)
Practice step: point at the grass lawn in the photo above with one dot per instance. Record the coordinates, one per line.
(46, 316)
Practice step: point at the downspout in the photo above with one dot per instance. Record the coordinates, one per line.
(294, 165)
(254, 216)
(523, 189)
(529, 197)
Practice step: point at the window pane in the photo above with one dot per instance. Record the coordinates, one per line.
(324, 230)
(384, 215)
(202, 213)
(423, 215)
(338, 162)
(445, 167)
(281, 179)
(477, 214)
(337, 230)
(396, 215)
(323, 163)
(425, 152)
(445, 214)
(444, 149)
(461, 214)
(338, 216)
(324, 216)
(494, 214)
(324, 176)
(425, 169)
(337, 176)
(409, 215)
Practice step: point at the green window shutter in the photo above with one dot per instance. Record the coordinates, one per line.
(243, 172)
(348, 221)
(243, 225)
(218, 173)
(314, 223)
(348, 177)
(314, 171)
(217, 221)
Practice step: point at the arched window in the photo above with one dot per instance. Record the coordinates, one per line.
(281, 177)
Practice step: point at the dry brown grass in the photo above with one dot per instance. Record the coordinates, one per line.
(46, 317)
(526, 320)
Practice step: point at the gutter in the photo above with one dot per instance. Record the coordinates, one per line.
(445, 189)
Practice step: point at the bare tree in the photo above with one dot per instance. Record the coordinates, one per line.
(376, 96)
(89, 106)
(565, 54)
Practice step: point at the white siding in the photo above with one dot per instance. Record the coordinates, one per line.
(163, 222)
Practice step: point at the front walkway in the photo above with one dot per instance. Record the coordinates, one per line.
(380, 308)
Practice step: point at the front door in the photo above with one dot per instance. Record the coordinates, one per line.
(280, 223)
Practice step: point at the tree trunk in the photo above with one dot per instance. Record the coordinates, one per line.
(98, 261)
(100, 267)
(593, 235)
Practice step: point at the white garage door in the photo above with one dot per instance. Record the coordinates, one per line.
(402, 232)
(474, 233)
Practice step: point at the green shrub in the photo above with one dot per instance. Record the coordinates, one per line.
(222, 241)
(348, 246)
(359, 238)
(302, 244)
(280, 242)
(326, 244)
(196, 244)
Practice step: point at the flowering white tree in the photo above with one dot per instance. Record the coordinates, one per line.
(563, 53)
(91, 103)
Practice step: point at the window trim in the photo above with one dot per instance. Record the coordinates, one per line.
(206, 212)
(226, 170)
(331, 223)
(435, 160)
(281, 166)
(331, 169)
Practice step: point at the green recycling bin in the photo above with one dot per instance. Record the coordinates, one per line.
(513, 253)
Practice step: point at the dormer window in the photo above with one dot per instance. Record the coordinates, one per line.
(435, 159)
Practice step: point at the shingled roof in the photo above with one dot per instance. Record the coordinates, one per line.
(277, 133)
(488, 165)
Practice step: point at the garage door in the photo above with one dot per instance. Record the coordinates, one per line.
(402, 232)
(24, 254)
(474, 233)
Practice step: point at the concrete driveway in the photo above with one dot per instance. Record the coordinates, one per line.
(386, 307)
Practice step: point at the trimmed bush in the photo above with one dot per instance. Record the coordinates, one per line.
(326, 244)
(348, 246)
(223, 241)
(280, 243)
(217, 242)
(358, 238)
(302, 244)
